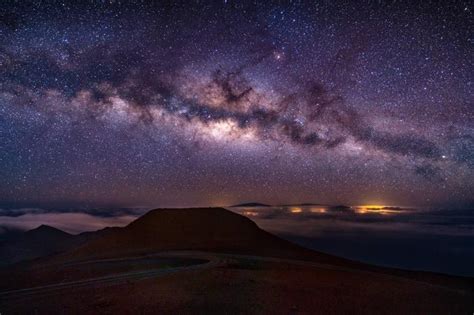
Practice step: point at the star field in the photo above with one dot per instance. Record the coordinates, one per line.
(214, 103)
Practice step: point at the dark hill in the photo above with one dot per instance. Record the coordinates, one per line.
(41, 241)
(46, 231)
(206, 229)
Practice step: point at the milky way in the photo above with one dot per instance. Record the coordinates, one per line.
(212, 103)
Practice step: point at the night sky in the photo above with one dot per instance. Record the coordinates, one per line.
(215, 103)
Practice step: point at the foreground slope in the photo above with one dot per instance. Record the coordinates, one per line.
(244, 280)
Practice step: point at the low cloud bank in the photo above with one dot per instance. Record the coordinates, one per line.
(72, 222)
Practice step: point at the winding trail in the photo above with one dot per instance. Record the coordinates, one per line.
(210, 260)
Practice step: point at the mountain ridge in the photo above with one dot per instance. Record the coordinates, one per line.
(203, 229)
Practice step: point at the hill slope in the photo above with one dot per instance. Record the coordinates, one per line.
(41, 241)
(206, 229)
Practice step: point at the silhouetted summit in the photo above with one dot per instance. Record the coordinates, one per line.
(41, 241)
(207, 229)
(46, 230)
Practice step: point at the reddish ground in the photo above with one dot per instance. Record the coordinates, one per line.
(248, 287)
(228, 284)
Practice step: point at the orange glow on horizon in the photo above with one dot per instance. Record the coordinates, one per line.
(296, 210)
(376, 208)
(250, 213)
(318, 210)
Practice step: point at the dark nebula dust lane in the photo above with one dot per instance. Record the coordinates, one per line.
(214, 103)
